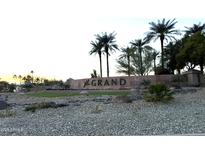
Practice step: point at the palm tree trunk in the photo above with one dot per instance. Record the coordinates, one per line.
(107, 57)
(141, 62)
(128, 59)
(162, 51)
(154, 66)
(107, 65)
(202, 68)
(179, 71)
(100, 65)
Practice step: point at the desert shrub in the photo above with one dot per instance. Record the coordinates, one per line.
(43, 105)
(97, 110)
(6, 113)
(157, 93)
(27, 86)
(3, 86)
(12, 87)
(67, 84)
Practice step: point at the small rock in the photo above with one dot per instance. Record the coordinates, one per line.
(76, 104)
(84, 92)
(107, 102)
(98, 109)
(3, 103)
(122, 99)
(136, 94)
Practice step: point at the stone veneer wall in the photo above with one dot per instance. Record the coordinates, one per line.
(202, 80)
(123, 82)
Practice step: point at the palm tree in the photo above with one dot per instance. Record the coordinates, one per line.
(20, 77)
(154, 56)
(109, 44)
(37, 80)
(15, 77)
(32, 75)
(94, 74)
(126, 54)
(140, 46)
(163, 30)
(97, 49)
(195, 28)
(24, 79)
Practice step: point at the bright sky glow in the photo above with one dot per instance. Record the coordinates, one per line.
(52, 37)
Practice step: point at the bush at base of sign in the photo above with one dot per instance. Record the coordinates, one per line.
(158, 93)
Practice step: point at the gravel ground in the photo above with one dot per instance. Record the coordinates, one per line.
(100, 116)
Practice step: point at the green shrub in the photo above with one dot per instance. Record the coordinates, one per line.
(157, 93)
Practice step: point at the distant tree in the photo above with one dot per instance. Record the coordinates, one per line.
(15, 77)
(146, 67)
(108, 42)
(20, 78)
(53, 83)
(147, 62)
(124, 67)
(171, 50)
(124, 61)
(192, 52)
(163, 30)
(97, 49)
(27, 79)
(154, 57)
(42, 80)
(24, 79)
(32, 75)
(37, 80)
(140, 46)
(195, 28)
(94, 74)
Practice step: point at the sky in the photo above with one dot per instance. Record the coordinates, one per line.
(52, 37)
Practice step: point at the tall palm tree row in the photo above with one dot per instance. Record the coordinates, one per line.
(163, 30)
(105, 44)
(108, 42)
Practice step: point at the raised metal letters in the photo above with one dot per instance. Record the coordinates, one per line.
(105, 82)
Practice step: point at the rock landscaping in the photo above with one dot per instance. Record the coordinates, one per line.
(105, 115)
